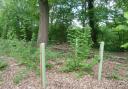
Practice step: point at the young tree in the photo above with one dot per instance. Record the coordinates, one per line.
(44, 21)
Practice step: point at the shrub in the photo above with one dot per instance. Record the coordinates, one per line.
(113, 37)
(125, 46)
(26, 53)
(80, 43)
(21, 50)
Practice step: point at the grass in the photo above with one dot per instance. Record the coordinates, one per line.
(3, 65)
(114, 76)
(115, 73)
(80, 67)
(52, 54)
(1, 79)
(26, 53)
(20, 76)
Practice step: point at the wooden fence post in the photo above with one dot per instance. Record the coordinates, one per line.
(42, 65)
(101, 50)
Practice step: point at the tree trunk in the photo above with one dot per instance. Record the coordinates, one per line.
(92, 21)
(84, 13)
(44, 21)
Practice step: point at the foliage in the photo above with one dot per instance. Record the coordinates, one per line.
(16, 20)
(80, 38)
(113, 37)
(20, 18)
(80, 66)
(19, 22)
(21, 50)
(125, 46)
(80, 42)
(57, 33)
(61, 16)
(3, 65)
(20, 76)
(126, 15)
(114, 76)
(52, 55)
(25, 52)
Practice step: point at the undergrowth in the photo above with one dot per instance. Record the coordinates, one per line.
(80, 42)
(20, 50)
(20, 76)
(26, 53)
(3, 65)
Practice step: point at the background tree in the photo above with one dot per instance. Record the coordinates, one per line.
(20, 20)
(61, 16)
(92, 21)
(44, 21)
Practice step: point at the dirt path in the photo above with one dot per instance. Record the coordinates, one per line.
(56, 79)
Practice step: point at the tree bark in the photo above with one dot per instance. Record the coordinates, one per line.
(84, 13)
(44, 22)
(92, 21)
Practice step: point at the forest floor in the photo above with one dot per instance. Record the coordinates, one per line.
(115, 75)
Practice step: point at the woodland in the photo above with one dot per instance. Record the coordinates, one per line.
(72, 31)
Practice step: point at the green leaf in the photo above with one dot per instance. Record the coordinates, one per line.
(126, 15)
(125, 45)
(121, 27)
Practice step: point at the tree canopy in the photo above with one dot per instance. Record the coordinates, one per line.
(20, 19)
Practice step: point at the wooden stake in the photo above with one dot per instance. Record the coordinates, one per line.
(101, 50)
(76, 52)
(43, 65)
(76, 47)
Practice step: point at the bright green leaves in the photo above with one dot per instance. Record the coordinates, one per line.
(126, 15)
(80, 42)
(121, 27)
(125, 46)
(3, 64)
(19, 19)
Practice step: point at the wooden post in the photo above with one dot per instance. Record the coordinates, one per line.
(76, 47)
(43, 65)
(76, 52)
(101, 50)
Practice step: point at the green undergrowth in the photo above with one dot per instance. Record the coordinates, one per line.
(21, 75)
(3, 65)
(26, 53)
(114, 75)
(53, 54)
(80, 67)
(20, 50)
(79, 40)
